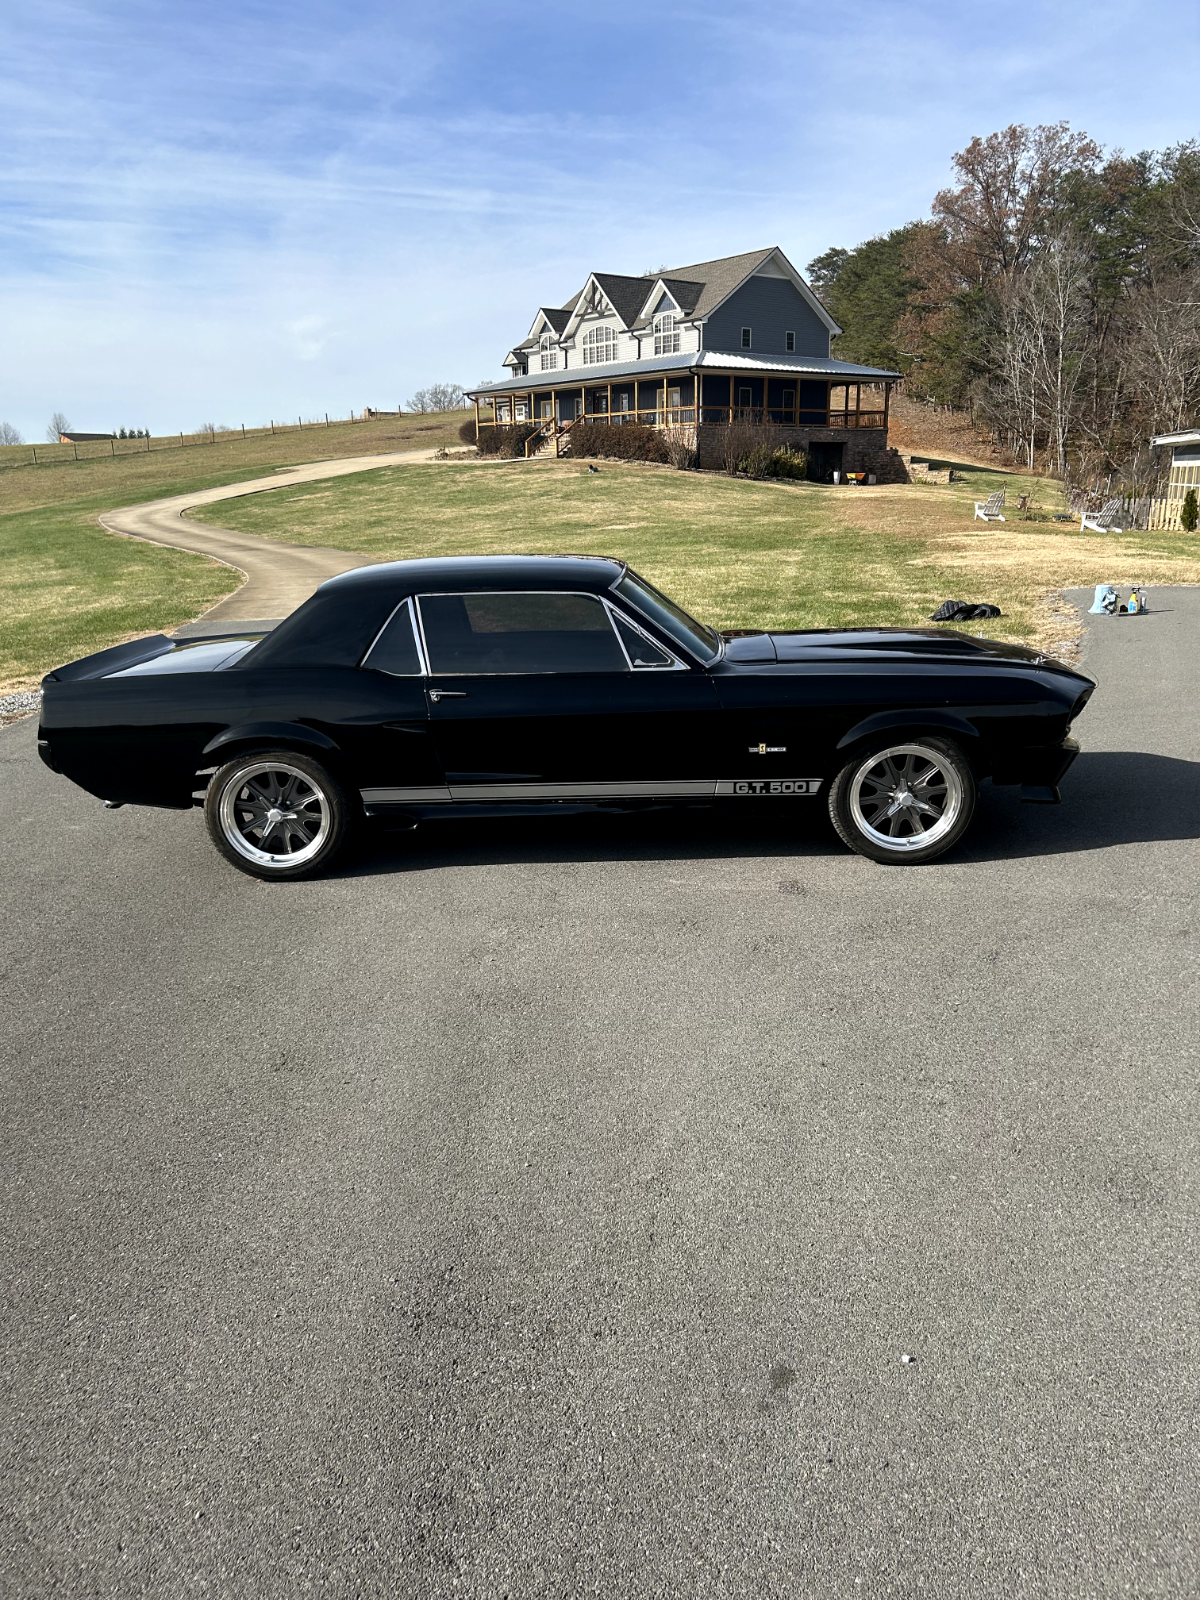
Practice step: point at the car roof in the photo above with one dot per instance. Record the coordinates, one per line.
(481, 572)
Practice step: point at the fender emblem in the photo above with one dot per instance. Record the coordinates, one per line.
(768, 749)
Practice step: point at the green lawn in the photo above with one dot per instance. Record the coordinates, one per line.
(68, 587)
(737, 553)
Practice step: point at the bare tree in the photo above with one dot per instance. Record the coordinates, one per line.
(1162, 352)
(1008, 194)
(438, 397)
(9, 434)
(57, 425)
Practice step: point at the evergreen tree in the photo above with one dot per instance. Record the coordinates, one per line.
(1189, 516)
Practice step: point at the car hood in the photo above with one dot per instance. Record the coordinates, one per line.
(849, 644)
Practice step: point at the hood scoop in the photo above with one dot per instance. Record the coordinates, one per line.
(746, 644)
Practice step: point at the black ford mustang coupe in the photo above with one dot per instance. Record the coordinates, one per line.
(519, 684)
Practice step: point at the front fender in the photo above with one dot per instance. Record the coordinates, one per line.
(909, 718)
(282, 733)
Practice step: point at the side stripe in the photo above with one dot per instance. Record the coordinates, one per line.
(660, 789)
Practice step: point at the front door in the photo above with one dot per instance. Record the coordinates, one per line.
(540, 696)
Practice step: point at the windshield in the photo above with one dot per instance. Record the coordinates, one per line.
(694, 637)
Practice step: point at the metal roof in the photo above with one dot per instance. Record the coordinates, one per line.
(694, 361)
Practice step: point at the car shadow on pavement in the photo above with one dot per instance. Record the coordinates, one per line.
(667, 834)
(1109, 798)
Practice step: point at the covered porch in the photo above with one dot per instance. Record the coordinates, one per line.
(666, 400)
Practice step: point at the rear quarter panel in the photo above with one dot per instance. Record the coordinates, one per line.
(138, 740)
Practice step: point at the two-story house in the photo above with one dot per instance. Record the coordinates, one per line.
(696, 347)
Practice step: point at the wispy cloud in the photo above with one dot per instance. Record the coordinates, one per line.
(245, 208)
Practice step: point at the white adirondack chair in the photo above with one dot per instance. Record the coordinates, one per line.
(991, 509)
(1103, 521)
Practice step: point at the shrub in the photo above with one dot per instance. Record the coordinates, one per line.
(467, 432)
(735, 440)
(1189, 515)
(628, 441)
(788, 462)
(756, 462)
(680, 444)
(506, 440)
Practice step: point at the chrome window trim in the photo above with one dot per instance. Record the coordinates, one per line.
(675, 644)
(674, 663)
(587, 594)
(422, 659)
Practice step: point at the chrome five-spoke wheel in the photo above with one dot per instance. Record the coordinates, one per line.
(276, 815)
(906, 802)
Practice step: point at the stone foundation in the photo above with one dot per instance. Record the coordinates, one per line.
(864, 449)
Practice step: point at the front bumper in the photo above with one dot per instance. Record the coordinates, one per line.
(1038, 769)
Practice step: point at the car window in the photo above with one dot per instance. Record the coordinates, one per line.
(695, 638)
(519, 633)
(395, 650)
(638, 647)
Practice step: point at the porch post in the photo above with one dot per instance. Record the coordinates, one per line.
(476, 419)
(887, 401)
(764, 415)
(731, 382)
(610, 405)
(554, 419)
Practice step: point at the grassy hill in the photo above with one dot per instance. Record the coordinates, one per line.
(737, 553)
(68, 587)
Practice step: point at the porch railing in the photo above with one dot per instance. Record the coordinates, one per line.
(674, 416)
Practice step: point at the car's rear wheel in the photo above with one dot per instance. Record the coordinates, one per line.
(277, 814)
(905, 802)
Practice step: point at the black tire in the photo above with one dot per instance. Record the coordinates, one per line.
(313, 821)
(904, 801)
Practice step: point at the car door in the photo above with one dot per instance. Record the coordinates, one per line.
(550, 696)
(384, 725)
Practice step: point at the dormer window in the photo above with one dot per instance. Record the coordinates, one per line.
(599, 346)
(549, 353)
(666, 339)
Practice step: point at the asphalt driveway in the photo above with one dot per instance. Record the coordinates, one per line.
(547, 1210)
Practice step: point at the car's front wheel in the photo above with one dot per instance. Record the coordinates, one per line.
(904, 802)
(277, 814)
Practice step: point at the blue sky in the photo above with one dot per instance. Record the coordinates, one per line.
(227, 212)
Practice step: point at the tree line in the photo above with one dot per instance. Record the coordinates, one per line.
(1054, 292)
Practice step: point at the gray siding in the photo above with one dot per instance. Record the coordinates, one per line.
(771, 306)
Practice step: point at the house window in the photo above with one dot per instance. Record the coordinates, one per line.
(599, 346)
(666, 340)
(745, 399)
(746, 338)
(790, 340)
(789, 401)
(549, 353)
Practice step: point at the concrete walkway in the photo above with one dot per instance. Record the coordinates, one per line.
(279, 577)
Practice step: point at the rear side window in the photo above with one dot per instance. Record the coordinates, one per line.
(395, 650)
(477, 633)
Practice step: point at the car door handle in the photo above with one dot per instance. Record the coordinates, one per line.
(447, 694)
